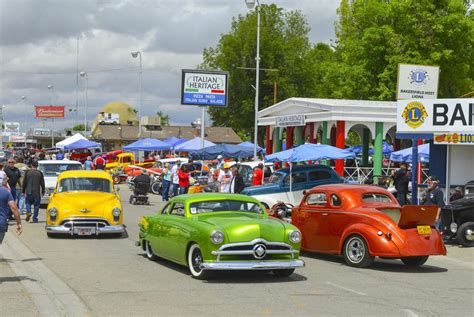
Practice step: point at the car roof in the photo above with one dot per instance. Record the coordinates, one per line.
(353, 188)
(305, 167)
(58, 162)
(211, 196)
(82, 173)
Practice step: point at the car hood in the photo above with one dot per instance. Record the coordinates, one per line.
(244, 227)
(92, 204)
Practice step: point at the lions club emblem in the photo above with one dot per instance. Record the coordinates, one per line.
(414, 114)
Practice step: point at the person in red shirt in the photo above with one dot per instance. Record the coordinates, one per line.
(99, 163)
(183, 176)
(257, 178)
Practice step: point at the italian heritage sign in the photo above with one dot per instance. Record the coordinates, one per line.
(204, 88)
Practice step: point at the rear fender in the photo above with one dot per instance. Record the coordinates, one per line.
(378, 245)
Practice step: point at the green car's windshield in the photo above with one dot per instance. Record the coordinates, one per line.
(84, 184)
(224, 205)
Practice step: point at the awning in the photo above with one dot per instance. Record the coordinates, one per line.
(147, 145)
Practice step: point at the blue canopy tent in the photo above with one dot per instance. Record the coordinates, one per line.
(192, 145)
(386, 149)
(226, 150)
(405, 155)
(250, 145)
(147, 145)
(310, 152)
(174, 141)
(82, 144)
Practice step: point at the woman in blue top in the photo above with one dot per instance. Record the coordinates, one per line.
(166, 172)
(88, 164)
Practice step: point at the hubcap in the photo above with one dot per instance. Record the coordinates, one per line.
(197, 260)
(469, 234)
(355, 250)
(148, 249)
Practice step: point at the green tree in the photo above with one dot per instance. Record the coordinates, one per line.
(78, 127)
(165, 119)
(284, 45)
(374, 36)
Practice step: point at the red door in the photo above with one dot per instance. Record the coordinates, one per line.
(313, 223)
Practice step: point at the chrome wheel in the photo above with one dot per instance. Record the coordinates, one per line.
(465, 234)
(195, 260)
(149, 251)
(356, 252)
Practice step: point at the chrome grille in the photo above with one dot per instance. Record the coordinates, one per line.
(84, 222)
(258, 249)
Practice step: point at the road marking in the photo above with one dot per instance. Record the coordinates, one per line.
(409, 312)
(346, 289)
(51, 295)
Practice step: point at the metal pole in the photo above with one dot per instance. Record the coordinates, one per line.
(140, 92)
(86, 104)
(203, 126)
(257, 71)
(52, 133)
(447, 173)
(414, 170)
(24, 98)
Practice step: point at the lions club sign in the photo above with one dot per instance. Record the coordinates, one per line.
(436, 116)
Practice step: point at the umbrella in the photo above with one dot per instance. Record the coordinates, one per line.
(310, 152)
(250, 145)
(173, 141)
(82, 144)
(386, 149)
(405, 154)
(226, 150)
(192, 145)
(147, 145)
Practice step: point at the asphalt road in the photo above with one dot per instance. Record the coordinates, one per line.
(112, 277)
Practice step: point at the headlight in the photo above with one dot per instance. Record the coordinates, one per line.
(295, 236)
(217, 237)
(116, 212)
(453, 227)
(53, 212)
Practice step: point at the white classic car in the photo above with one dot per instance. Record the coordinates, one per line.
(51, 170)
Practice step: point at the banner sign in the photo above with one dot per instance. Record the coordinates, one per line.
(49, 112)
(17, 138)
(204, 88)
(42, 132)
(417, 82)
(290, 121)
(454, 138)
(11, 127)
(435, 116)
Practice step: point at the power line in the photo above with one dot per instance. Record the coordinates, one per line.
(69, 72)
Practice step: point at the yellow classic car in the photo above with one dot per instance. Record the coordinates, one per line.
(84, 203)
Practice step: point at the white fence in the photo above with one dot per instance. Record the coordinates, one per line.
(361, 174)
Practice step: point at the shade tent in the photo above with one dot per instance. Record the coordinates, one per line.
(174, 141)
(310, 152)
(147, 145)
(250, 145)
(226, 150)
(405, 155)
(82, 144)
(192, 145)
(386, 149)
(70, 140)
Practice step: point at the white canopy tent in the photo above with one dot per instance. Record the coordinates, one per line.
(76, 137)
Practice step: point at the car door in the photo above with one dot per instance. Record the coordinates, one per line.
(175, 233)
(299, 184)
(156, 230)
(337, 220)
(313, 222)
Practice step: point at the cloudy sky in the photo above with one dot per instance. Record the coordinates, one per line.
(38, 43)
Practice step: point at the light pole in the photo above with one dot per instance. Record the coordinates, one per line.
(84, 74)
(252, 4)
(136, 54)
(24, 98)
(51, 87)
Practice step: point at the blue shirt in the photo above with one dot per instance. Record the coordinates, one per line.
(5, 198)
(88, 165)
(59, 156)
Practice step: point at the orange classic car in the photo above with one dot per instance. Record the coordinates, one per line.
(361, 222)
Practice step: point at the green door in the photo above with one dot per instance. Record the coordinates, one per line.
(175, 234)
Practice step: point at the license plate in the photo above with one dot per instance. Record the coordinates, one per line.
(85, 231)
(423, 229)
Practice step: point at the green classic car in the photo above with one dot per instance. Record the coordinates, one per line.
(212, 231)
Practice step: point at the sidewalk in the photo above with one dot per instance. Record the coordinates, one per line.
(14, 298)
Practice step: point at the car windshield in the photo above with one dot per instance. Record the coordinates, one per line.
(276, 177)
(84, 184)
(224, 205)
(56, 169)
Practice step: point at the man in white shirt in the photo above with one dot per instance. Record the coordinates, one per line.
(174, 175)
(224, 179)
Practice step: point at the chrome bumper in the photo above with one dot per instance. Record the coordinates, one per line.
(252, 265)
(98, 230)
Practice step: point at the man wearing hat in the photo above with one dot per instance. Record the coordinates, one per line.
(224, 179)
(457, 194)
(434, 196)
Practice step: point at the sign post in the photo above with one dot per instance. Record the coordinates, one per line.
(204, 88)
